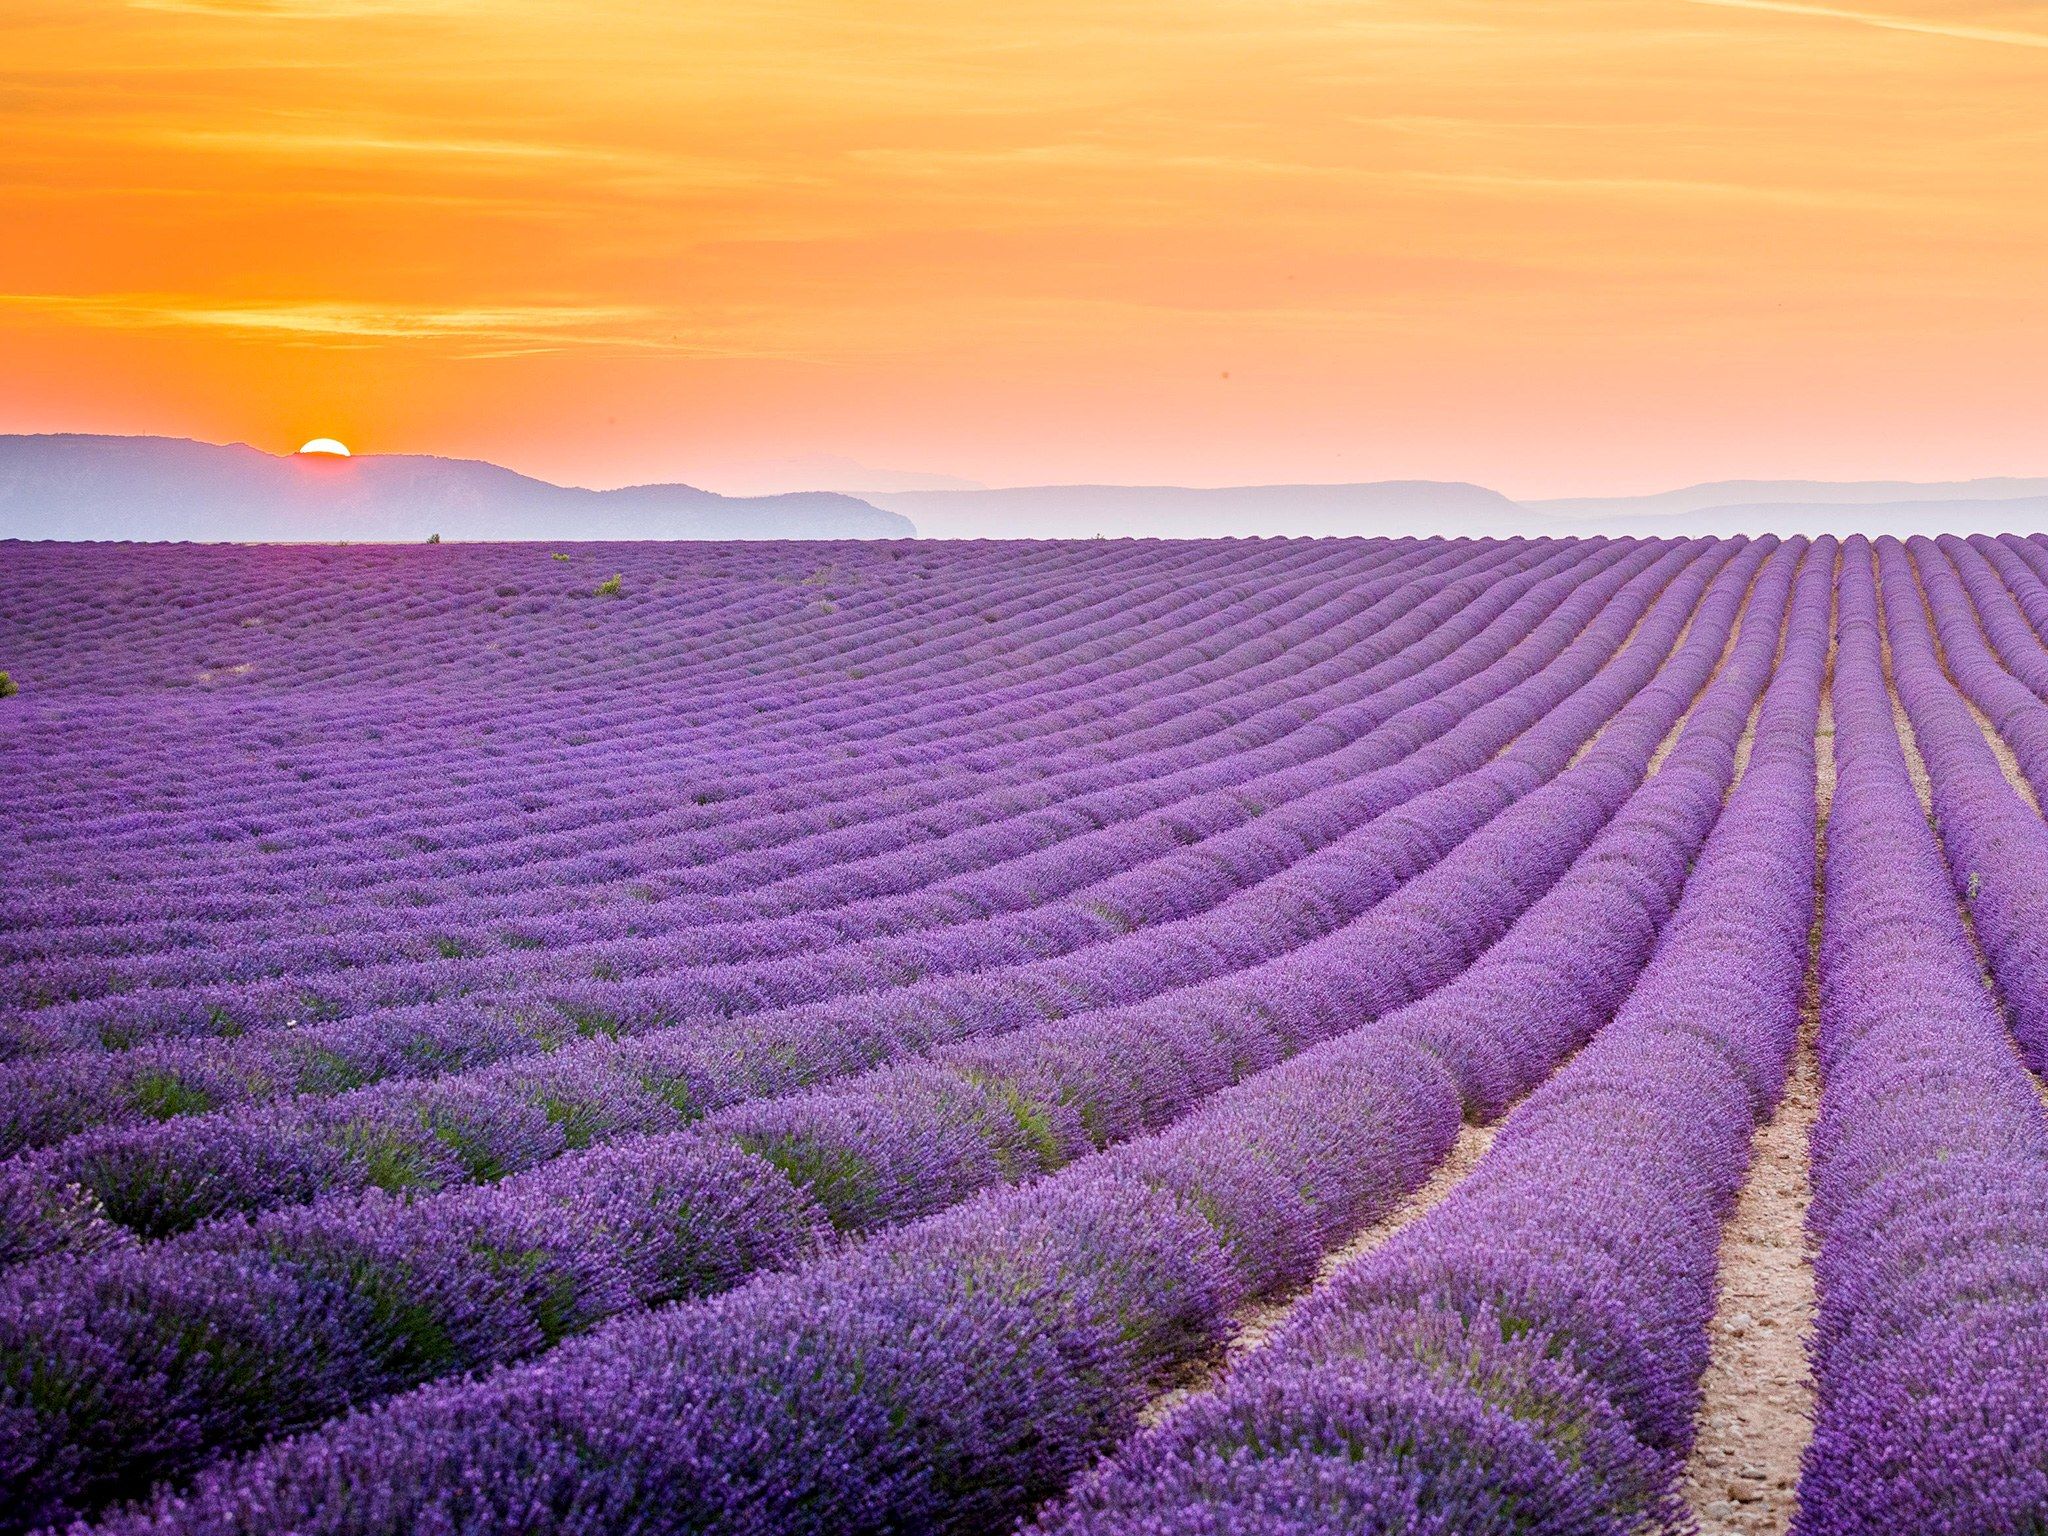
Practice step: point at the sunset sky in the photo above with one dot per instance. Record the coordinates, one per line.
(1588, 246)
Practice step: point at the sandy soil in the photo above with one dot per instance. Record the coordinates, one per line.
(1756, 1404)
(2008, 764)
(1756, 1407)
(1916, 765)
(1778, 1197)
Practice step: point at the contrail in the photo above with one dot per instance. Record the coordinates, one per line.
(1888, 23)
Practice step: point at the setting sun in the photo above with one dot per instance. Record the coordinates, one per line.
(326, 445)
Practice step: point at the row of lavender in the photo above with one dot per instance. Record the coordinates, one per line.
(1527, 1358)
(882, 1150)
(1140, 1249)
(460, 1126)
(1160, 634)
(1931, 1154)
(1152, 823)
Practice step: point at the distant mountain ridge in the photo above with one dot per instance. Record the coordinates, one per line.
(82, 486)
(1872, 507)
(1374, 508)
(78, 486)
(1723, 495)
(1458, 509)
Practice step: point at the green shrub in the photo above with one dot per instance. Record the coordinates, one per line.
(611, 586)
(8, 686)
(165, 1095)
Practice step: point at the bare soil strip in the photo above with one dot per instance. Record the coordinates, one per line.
(1756, 1407)
(1756, 1399)
(2008, 764)
(1258, 1322)
(1916, 765)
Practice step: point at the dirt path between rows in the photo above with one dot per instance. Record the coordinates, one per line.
(1261, 1320)
(1756, 1408)
(1756, 1399)
(2008, 763)
(1256, 1324)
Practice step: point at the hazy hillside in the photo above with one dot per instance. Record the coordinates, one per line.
(1454, 508)
(1720, 495)
(1141, 511)
(1961, 514)
(76, 486)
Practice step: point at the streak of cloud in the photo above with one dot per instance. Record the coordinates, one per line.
(654, 172)
(502, 330)
(1963, 33)
(305, 10)
(324, 144)
(1665, 187)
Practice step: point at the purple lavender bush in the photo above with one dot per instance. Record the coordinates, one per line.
(1930, 1161)
(1525, 1358)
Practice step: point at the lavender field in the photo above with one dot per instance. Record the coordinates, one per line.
(1245, 1036)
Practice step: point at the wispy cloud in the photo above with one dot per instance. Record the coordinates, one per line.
(629, 170)
(1077, 157)
(476, 331)
(1663, 187)
(307, 10)
(611, 325)
(1961, 31)
(330, 144)
(1067, 157)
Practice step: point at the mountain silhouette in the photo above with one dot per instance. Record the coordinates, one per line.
(1385, 507)
(81, 486)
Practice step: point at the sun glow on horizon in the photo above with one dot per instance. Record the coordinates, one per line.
(325, 445)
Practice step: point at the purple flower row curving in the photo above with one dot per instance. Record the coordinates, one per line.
(43, 1101)
(483, 1124)
(878, 1151)
(927, 1394)
(1526, 1357)
(1930, 1158)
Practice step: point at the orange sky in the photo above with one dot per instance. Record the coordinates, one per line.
(1593, 245)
